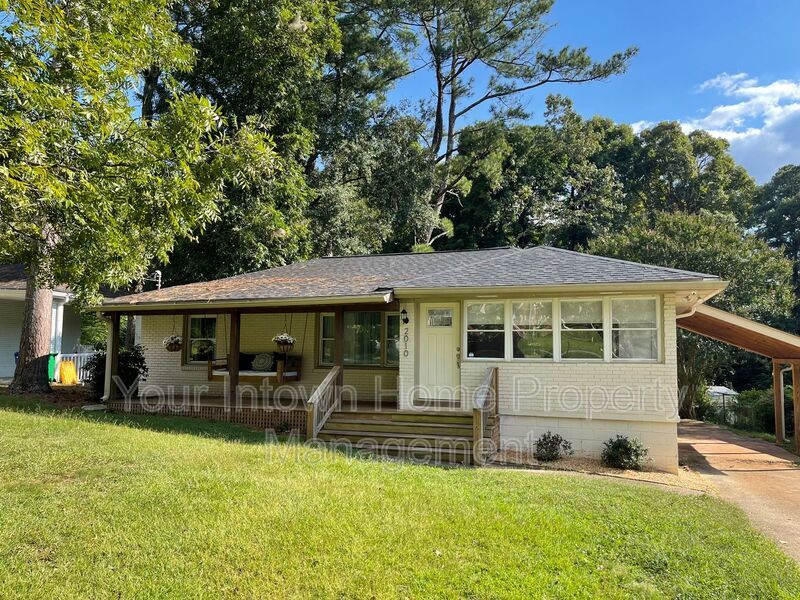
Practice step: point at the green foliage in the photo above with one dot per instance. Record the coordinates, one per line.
(623, 452)
(777, 217)
(132, 365)
(571, 180)
(372, 192)
(710, 243)
(551, 446)
(252, 62)
(88, 193)
(675, 172)
(455, 44)
(714, 243)
(540, 184)
(93, 329)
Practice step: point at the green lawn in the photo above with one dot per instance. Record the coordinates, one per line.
(122, 506)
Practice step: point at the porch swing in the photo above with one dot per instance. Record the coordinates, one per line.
(282, 367)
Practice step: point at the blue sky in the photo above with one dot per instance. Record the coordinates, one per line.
(732, 67)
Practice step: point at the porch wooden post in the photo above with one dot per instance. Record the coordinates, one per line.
(796, 402)
(114, 362)
(777, 386)
(338, 351)
(233, 359)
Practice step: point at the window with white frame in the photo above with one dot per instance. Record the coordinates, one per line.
(486, 332)
(634, 333)
(371, 339)
(532, 329)
(582, 335)
(202, 339)
(326, 340)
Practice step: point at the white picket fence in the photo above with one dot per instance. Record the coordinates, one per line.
(80, 359)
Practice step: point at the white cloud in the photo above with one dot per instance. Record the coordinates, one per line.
(761, 121)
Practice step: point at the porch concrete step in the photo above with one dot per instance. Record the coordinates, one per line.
(421, 429)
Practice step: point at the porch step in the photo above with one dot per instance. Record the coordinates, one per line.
(462, 418)
(439, 437)
(420, 429)
(399, 437)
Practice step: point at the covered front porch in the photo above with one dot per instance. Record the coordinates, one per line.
(338, 382)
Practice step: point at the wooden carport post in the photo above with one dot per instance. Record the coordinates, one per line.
(796, 404)
(777, 387)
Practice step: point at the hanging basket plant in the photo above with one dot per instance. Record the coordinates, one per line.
(284, 341)
(173, 343)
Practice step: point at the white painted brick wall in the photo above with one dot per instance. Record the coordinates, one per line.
(587, 436)
(585, 400)
(406, 376)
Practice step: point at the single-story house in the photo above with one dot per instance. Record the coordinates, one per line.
(65, 325)
(412, 350)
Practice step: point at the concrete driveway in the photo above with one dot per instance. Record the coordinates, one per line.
(761, 478)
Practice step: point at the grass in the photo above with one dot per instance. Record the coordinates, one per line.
(108, 506)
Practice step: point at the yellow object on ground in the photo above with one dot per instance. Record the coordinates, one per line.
(69, 376)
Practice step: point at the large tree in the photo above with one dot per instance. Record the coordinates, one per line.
(777, 218)
(669, 170)
(264, 59)
(89, 193)
(760, 279)
(549, 183)
(482, 57)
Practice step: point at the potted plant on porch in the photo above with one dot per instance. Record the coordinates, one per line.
(285, 342)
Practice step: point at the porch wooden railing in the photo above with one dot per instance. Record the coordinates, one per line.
(322, 403)
(485, 424)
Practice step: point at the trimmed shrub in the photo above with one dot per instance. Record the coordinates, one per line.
(131, 366)
(624, 453)
(551, 446)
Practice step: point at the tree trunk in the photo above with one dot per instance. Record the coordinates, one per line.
(31, 374)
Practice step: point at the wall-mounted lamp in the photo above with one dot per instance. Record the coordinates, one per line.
(404, 316)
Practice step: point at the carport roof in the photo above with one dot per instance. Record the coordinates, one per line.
(742, 333)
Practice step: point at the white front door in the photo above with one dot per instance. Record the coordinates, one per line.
(439, 356)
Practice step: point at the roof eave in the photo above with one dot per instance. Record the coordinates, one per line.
(714, 287)
(384, 297)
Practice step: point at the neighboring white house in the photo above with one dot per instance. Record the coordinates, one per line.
(65, 324)
(401, 349)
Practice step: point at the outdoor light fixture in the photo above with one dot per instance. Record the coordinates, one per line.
(404, 316)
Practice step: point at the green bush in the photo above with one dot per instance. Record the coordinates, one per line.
(624, 453)
(131, 366)
(754, 410)
(551, 446)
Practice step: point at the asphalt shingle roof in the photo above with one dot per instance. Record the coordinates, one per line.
(378, 273)
(13, 277)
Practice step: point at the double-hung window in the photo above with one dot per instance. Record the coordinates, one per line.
(582, 335)
(201, 344)
(532, 329)
(634, 333)
(371, 339)
(486, 332)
